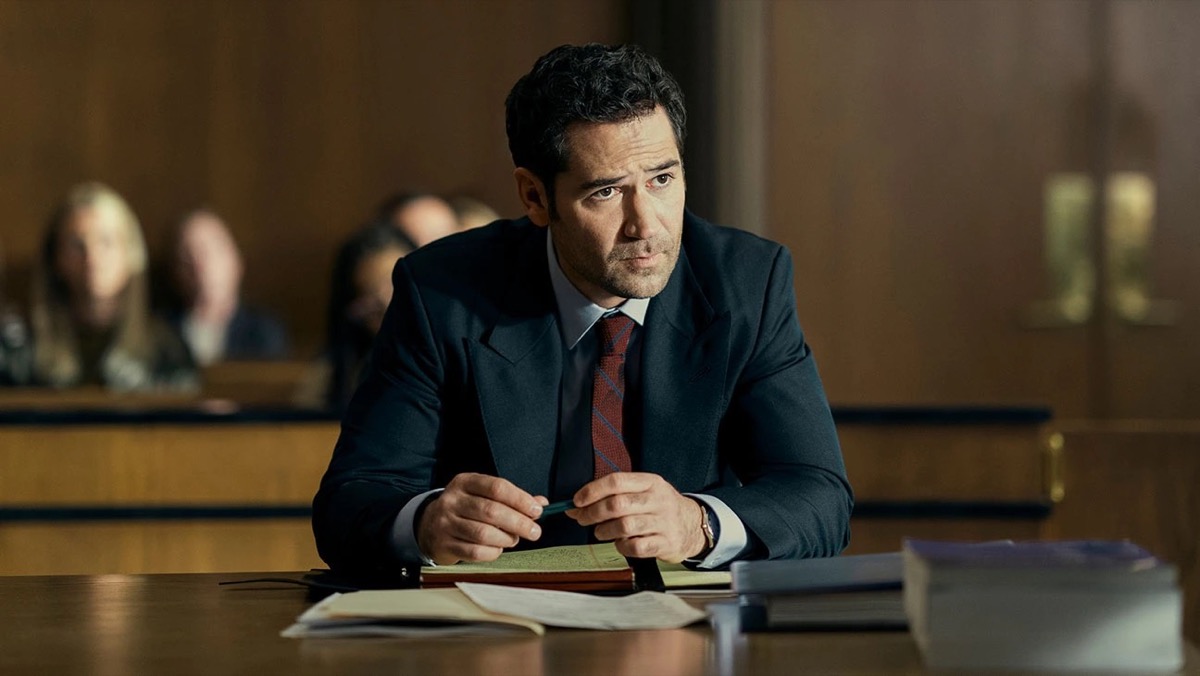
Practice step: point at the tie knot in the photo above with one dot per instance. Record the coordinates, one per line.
(615, 330)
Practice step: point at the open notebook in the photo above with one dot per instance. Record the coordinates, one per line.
(595, 567)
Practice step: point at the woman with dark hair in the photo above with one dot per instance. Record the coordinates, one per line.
(90, 308)
(362, 289)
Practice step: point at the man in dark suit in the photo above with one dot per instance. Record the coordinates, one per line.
(610, 349)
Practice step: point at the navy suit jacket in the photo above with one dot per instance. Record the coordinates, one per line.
(465, 377)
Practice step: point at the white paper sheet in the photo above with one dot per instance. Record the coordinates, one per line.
(644, 610)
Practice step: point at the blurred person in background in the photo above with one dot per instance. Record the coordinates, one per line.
(209, 314)
(360, 293)
(90, 310)
(472, 213)
(16, 363)
(420, 217)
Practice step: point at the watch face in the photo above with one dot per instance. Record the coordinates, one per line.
(706, 526)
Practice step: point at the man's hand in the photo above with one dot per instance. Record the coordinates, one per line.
(643, 514)
(476, 518)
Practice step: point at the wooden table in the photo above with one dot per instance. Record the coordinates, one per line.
(126, 625)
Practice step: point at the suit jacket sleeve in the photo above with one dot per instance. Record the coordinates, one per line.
(778, 437)
(385, 454)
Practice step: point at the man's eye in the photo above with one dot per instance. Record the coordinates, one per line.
(605, 193)
(663, 179)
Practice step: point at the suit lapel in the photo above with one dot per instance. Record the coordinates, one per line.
(684, 357)
(518, 367)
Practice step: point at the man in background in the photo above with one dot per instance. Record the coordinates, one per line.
(212, 319)
(420, 217)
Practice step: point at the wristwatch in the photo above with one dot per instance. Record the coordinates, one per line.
(711, 529)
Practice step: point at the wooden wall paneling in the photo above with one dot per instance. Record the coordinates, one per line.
(292, 119)
(948, 482)
(944, 463)
(873, 535)
(910, 145)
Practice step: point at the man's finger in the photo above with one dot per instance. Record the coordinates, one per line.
(627, 527)
(479, 533)
(499, 515)
(613, 484)
(468, 551)
(499, 490)
(615, 507)
(647, 547)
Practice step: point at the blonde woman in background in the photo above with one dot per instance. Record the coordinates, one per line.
(90, 307)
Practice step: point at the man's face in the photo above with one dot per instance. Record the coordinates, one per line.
(426, 219)
(209, 264)
(619, 213)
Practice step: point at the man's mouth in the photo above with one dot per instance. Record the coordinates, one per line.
(645, 260)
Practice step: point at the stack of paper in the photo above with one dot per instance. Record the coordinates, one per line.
(842, 592)
(1043, 605)
(485, 609)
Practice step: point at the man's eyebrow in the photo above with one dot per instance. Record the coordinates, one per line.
(613, 180)
(599, 182)
(663, 167)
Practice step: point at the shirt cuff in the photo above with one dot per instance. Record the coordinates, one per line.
(404, 530)
(731, 538)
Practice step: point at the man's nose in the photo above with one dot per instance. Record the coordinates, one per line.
(639, 216)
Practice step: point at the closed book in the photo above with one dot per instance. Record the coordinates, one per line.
(823, 611)
(1080, 605)
(836, 573)
(835, 593)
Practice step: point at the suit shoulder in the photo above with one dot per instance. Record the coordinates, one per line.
(479, 253)
(730, 248)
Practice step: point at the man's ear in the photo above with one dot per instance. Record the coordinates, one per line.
(532, 193)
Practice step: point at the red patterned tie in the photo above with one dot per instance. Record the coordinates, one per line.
(608, 392)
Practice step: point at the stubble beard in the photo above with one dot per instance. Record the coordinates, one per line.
(621, 281)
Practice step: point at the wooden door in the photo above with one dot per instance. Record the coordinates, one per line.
(917, 149)
(1153, 120)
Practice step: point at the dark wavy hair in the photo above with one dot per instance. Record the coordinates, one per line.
(584, 83)
(348, 342)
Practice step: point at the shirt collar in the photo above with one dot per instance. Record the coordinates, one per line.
(577, 312)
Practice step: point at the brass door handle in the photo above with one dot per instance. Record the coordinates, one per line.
(1069, 200)
(1129, 229)
(1052, 468)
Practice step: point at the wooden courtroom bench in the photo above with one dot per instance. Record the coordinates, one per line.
(166, 490)
(273, 384)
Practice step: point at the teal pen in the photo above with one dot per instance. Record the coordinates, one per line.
(556, 508)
